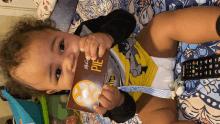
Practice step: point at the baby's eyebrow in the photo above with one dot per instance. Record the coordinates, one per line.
(52, 45)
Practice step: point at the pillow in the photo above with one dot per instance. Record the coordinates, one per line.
(60, 11)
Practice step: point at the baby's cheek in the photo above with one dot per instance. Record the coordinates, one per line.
(67, 80)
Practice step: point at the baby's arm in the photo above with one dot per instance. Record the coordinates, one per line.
(120, 104)
(190, 25)
(119, 25)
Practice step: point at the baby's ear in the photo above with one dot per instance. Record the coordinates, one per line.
(51, 91)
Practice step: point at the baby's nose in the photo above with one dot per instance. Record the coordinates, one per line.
(68, 62)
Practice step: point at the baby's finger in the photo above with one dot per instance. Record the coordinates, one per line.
(105, 102)
(100, 110)
(109, 88)
(87, 48)
(102, 48)
(108, 95)
(82, 43)
(93, 49)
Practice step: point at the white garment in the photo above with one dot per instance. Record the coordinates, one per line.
(165, 74)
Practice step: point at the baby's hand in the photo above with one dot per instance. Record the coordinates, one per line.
(94, 41)
(109, 99)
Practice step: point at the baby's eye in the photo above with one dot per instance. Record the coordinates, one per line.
(58, 73)
(62, 46)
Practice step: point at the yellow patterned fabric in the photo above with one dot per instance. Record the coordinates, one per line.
(140, 69)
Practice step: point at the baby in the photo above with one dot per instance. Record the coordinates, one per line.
(41, 58)
(37, 56)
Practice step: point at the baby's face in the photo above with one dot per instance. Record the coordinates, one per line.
(51, 61)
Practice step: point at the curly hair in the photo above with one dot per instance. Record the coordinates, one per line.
(12, 53)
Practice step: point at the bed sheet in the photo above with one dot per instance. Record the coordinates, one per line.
(201, 100)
